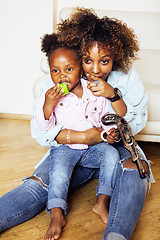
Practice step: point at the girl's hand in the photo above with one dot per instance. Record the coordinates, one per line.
(92, 136)
(52, 97)
(100, 89)
(113, 136)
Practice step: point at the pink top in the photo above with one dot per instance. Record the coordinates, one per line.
(75, 113)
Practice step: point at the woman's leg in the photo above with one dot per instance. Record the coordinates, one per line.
(127, 199)
(126, 205)
(21, 204)
(28, 199)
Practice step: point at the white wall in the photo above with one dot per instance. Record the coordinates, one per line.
(128, 5)
(22, 23)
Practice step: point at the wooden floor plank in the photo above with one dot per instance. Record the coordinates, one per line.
(19, 153)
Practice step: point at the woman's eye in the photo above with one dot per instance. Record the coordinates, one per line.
(87, 61)
(105, 61)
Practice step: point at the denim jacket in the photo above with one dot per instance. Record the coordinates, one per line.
(134, 96)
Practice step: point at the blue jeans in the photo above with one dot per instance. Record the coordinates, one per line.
(30, 198)
(63, 160)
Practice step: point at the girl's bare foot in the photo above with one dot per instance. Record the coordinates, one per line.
(56, 224)
(102, 207)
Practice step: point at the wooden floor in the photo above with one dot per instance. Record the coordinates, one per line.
(19, 153)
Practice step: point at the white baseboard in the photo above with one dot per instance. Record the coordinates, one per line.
(16, 116)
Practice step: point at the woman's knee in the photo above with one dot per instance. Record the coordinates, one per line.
(38, 180)
(130, 164)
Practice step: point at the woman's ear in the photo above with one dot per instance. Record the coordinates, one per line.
(81, 72)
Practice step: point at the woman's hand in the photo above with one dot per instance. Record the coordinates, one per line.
(102, 88)
(52, 97)
(113, 136)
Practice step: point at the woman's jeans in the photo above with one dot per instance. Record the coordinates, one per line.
(63, 160)
(30, 198)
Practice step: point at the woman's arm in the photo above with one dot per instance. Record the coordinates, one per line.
(134, 96)
(105, 89)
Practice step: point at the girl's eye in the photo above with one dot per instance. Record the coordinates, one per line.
(55, 70)
(69, 69)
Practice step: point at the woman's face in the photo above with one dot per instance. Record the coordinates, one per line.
(97, 62)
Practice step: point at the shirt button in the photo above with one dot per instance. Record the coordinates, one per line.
(86, 116)
(95, 109)
(61, 104)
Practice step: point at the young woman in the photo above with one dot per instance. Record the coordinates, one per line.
(101, 40)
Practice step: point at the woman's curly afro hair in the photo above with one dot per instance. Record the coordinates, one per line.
(84, 27)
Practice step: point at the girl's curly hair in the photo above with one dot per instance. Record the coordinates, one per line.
(84, 27)
(51, 42)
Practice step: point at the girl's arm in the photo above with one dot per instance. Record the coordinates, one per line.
(88, 137)
(58, 135)
(43, 116)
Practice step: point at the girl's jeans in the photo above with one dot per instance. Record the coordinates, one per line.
(63, 160)
(30, 198)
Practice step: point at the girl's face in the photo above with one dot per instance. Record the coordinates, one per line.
(65, 67)
(97, 62)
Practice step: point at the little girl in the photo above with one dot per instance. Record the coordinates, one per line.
(79, 110)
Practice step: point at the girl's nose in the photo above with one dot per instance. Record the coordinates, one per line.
(62, 76)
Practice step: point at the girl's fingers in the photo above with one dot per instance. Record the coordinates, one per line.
(113, 135)
(56, 90)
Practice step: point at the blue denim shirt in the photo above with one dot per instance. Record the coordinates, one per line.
(134, 96)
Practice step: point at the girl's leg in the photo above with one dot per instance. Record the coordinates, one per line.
(106, 157)
(108, 165)
(62, 162)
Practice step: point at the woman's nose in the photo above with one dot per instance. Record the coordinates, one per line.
(95, 68)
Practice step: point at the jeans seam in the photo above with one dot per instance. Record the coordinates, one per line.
(23, 213)
(114, 213)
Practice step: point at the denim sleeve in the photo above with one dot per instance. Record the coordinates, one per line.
(46, 138)
(135, 98)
